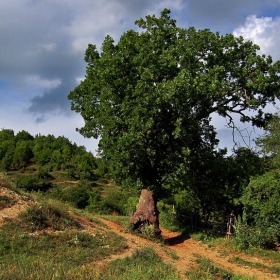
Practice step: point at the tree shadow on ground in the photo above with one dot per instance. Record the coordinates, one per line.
(179, 239)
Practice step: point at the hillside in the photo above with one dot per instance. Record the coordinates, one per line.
(93, 246)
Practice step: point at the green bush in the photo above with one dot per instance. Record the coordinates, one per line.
(45, 216)
(28, 183)
(78, 195)
(261, 222)
(71, 174)
(43, 173)
(264, 235)
(95, 204)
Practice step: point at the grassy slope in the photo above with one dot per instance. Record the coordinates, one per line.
(46, 242)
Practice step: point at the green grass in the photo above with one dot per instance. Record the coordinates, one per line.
(46, 243)
(173, 255)
(206, 270)
(231, 246)
(273, 269)
(145, 264)
(123, 221)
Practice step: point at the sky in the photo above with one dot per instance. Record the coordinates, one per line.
(43, 44)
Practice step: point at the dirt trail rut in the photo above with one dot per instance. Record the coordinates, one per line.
(187, 251)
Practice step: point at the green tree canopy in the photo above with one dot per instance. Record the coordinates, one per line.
(269, 143)
(23, 136)
(261, 197)
(150, 96)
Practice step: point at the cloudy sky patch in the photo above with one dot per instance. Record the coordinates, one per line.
(263, 31)
(43, 45)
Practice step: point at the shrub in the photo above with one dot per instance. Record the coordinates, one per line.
(95, 204)
(261, 236)
(78, 195)
(71, 174)
(39, 217)
(27, 183)
(261, 199)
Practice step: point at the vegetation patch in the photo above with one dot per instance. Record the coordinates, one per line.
(52, 255)
(273, 269)
(42, 217)
(206, 270)
(6, 201)
(144, 264)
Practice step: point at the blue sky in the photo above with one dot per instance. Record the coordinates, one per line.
(43, 44)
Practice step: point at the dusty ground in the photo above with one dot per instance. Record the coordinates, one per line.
(17, 203)
(186, 249)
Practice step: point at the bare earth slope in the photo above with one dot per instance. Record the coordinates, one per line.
(187, 250)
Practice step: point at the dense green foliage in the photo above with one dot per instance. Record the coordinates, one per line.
(151, 95)
(261, 197)
(22, 150)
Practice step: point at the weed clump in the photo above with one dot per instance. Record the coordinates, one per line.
(41, 217)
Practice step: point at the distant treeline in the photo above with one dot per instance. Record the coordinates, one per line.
(55, 153)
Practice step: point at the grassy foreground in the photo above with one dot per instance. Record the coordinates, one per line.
(45, 242)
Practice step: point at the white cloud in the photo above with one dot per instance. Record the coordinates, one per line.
(79, 79)
(263, 31)
(50, 47)
(45, 83)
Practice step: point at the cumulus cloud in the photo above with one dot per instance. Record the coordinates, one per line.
(49, 47)
(263, 31)
(223, 16)
(47, 40)
(43, 42)
(44, 83)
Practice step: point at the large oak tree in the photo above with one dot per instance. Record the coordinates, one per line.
(150, 96)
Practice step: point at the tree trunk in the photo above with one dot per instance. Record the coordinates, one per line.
(146, 213)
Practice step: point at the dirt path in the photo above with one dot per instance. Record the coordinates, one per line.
(187, 251)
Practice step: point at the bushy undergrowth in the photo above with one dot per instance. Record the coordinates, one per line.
(118, 202)
(40, 217)
(35, 182)
(78, 195)
(167, 217)
(263, 236)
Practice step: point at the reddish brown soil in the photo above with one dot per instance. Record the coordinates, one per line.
(187, 250)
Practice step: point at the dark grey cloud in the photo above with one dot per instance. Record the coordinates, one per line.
(41, 119)
(55, 100)
(43, 42)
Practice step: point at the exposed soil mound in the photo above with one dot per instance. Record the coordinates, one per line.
(11, 203)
